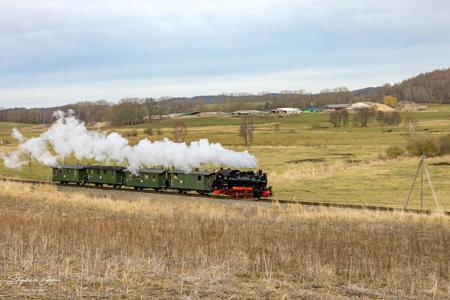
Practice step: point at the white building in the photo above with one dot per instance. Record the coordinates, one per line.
(286, 110)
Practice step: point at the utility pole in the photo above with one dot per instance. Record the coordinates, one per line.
(29, 163)
(422, 168)
(421, 187)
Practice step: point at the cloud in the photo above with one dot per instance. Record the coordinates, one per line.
(65, 47)
(310, 79)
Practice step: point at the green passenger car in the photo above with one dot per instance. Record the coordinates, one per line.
(200, 181)
(69, 174)
(147, 178)
(109, 175)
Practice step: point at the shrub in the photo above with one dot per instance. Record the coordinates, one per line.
(389, 118)
(148, 131)
(179, 131)
(390, 100)
(423, 145)
(444, 144)
(131, 133)
(394, 152)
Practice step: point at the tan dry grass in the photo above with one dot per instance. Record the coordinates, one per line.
(54, 244)
(320, 171)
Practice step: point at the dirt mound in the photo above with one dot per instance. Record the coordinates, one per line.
(409, 106)
(382, 107)
(370, 105)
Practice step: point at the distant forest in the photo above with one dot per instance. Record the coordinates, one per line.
(431, 87)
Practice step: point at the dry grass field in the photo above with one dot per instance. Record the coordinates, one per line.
(57, 245)
(305, 157)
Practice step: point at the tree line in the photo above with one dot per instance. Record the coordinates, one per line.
(432, 87)
(362, 117)
(125, 112)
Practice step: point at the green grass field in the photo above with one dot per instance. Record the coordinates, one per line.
(306, 158)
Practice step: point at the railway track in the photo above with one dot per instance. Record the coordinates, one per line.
(281, 201)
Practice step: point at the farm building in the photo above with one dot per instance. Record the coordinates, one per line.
(286, 110)
(247, 112)
(336, 106)
(311, 109)
(183, 114)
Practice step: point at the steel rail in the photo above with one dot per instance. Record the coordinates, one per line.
(267, 200)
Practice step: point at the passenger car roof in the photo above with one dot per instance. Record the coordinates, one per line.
(113, 168)
(151, 170)
(77, 167)
(195, 172)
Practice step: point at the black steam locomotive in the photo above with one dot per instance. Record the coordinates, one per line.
(241, 184)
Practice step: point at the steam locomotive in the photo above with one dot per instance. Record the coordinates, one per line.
(231, 183)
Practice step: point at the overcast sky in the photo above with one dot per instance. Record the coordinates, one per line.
(62, 51)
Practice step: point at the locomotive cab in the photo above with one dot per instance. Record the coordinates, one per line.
(241, 184)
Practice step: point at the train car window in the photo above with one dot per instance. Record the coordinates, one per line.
(146, 176)
(199, 178)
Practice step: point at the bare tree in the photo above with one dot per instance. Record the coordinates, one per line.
(411, 126)
(247, 129)
(151, 108)
(128, 112)
(334, 118)
(339, 118)
(363, 117)
(179, 131)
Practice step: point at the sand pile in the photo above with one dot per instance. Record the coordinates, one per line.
(370, 105)
(409, 106)
(382, 107)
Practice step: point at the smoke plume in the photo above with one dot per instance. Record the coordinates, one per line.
(68, 137)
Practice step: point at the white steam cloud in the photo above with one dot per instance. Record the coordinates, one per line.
(68, 137)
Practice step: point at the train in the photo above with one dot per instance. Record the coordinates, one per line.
(226, 182)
